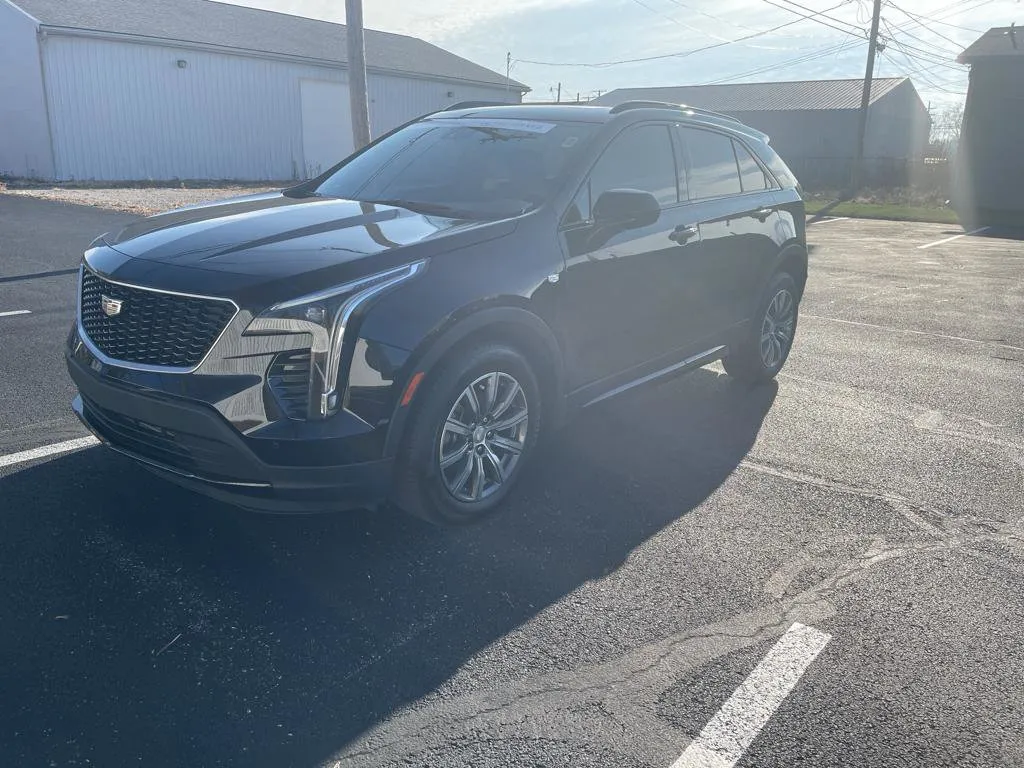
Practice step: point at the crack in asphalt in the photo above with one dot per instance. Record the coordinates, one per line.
(625, 683)
(925, 418)
(916, 514)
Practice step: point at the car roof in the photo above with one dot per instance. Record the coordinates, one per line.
(602, 114)
(560, 112)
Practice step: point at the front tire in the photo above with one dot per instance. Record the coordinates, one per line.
(763, 351)
(475, 426)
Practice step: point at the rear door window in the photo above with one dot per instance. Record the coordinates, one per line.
(713, 171)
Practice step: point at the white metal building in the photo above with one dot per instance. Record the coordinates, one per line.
(196, 89)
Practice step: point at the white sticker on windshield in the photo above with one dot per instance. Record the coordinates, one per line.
(569, 142)
(508, 123)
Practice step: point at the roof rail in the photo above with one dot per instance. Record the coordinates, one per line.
(639, 104)
(475, 104)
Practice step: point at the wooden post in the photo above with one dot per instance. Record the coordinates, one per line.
(357, 74)
(865, 101)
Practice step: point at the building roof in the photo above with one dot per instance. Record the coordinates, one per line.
(998, 41)
(250, 29)
(760, 97)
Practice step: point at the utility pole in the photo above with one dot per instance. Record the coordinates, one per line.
(357, 74)
(865, 100)
(558, 99)
(508, 72)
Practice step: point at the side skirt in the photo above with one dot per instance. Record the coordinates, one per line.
(688, 364)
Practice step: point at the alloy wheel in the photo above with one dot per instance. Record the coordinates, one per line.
(777, 328)
(483, 437)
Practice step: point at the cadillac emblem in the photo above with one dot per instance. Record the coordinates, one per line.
(111, 307)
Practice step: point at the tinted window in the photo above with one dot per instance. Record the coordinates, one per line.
(489, 167)
(713, 170)
(779, 168)
(751, 175)
(639, 158)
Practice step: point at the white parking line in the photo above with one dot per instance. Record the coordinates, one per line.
(954, 237)
(47, 450)
(829, 221)
(910, 331)
(14, 312)
(730, 732)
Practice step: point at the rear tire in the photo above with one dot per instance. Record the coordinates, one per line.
(761, 353)
(475, 425)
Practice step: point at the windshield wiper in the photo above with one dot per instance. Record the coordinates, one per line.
(431, 209)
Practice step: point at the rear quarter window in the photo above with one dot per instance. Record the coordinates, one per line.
(777, 166)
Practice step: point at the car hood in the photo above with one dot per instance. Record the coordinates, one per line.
(259, 241)
(275, 233)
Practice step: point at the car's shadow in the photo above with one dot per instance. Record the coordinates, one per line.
(143, 624)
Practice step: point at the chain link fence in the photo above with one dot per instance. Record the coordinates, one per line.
(929, 177)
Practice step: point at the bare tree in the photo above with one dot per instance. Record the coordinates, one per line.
(946, 129)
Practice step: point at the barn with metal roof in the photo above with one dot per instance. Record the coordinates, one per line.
(197, 89)
(813, 123)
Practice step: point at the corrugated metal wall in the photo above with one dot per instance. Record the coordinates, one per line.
(990, 161)
(898, 125)
(122, 110)
(819, 145)
(24, 136)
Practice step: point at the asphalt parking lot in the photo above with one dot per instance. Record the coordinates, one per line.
(848, 544)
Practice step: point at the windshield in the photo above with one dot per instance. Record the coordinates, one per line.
(470, 167)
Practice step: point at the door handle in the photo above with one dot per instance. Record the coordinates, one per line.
(682, 233)
(762, 214)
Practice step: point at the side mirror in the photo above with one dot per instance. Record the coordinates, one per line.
(626, 208)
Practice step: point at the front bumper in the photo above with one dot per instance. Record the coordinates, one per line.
(193, 445)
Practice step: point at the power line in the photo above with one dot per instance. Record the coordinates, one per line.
(699, 31)
(825, 15)
(930, 45)
(939, 78)
(918, 69)
(953, 7)
(679, 55)
(932, 49)
(819, 17)
(942, 59)
(917, 20)
(863, 14)
(924, 72)
(959, 10)
(712, 16)
(928, 56)
(655, 11)
(784, 64)
(944, 88)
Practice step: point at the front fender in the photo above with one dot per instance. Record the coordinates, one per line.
(515, 323)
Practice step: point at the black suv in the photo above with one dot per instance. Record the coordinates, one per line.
(408, 324)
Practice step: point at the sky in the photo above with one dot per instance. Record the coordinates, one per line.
(579, 43)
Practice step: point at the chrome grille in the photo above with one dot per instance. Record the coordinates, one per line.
(288, 379)
(151, 328)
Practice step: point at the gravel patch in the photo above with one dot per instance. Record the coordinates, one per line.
(141, 201)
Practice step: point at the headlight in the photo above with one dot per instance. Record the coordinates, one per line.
(324, 315)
